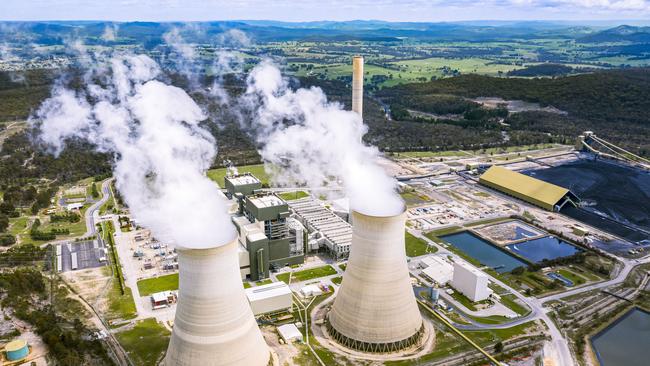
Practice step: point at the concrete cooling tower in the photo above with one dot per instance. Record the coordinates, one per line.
(357, 84)
(375, 309)
(214, 324)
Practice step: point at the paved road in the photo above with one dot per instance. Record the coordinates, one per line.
(560, 344)
(92, 213)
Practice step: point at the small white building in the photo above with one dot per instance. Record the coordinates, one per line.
(438, 269)
(471, 282)
(311, 290)
(289, 332)
(271, 298)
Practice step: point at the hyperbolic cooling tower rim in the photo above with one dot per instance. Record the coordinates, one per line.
(378, 216)
(235, 238)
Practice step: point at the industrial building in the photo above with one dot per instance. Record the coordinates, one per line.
(329, 231)
(438, 269)
(375, 308)
(471, 282)
(271, 298)
(289, 333)
(534, 191)
(268, 237)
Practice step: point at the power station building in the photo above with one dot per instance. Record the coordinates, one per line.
(534, 191)
(329, 231)
(268, 237)
(471, 282)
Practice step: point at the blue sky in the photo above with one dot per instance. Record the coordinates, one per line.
(308, 10)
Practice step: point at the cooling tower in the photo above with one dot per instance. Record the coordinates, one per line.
(357, 84)
(214, 324)
(375, 308)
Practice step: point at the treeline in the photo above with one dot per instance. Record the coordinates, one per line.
(69, 341)
(612, 103)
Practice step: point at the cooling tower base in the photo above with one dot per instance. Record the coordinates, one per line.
(391, 347)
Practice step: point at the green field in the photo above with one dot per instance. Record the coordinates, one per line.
(307, 274)
(157, 284)
(145, 343)
(295, 195)
(408, 71)
(416, 247)
(119, 306)
(258, 171)
(412, 198)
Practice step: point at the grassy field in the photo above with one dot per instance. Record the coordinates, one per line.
(412, 198)
(408, 71)
(307, 274)
(576, 279)
(290, 196)
(163, 283)
(465, 153)
(146, 342)
(416, 247)
(258, 171)
(119, 306)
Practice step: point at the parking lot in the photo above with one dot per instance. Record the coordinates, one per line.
(81, 255)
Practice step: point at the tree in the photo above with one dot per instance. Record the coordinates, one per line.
(7, 208)
(498, 348)
(94, 192)
(518, 271)
(4, 223)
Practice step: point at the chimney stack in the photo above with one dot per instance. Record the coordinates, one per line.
(357, 85)
(214, 324)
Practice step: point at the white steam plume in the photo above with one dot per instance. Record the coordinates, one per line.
(313, 141)
(161, 151)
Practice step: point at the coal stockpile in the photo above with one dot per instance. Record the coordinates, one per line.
(616, 198)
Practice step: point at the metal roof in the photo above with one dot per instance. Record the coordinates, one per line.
(529, 189)
(267, 291)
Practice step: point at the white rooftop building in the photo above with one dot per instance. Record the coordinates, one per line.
(271, 298)
(471, 282)
(438, 269)
(289, 332)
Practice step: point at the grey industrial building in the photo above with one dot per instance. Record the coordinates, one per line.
(268, 237)
(329, 230)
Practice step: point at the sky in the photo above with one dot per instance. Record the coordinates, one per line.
(311, 10)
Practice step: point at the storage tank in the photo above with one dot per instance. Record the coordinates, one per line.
(17, 350)
(214, 324)
(375, 309)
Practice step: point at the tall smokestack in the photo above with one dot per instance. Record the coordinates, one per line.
(214, 324)
(357, 85)
(375, 309)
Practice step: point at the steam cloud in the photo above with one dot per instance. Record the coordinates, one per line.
(320, 143)
(161, 152)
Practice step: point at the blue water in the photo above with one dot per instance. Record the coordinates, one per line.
(548, 247)
(556, 276)
(523, 233)
(484, 252)
(626, 342)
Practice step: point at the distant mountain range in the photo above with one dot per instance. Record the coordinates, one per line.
(623, 33)
(150, 33)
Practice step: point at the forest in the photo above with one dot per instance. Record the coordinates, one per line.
(612, 103)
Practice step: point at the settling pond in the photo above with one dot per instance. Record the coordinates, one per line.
(625, 342)
(484, 252)
(548, 247)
